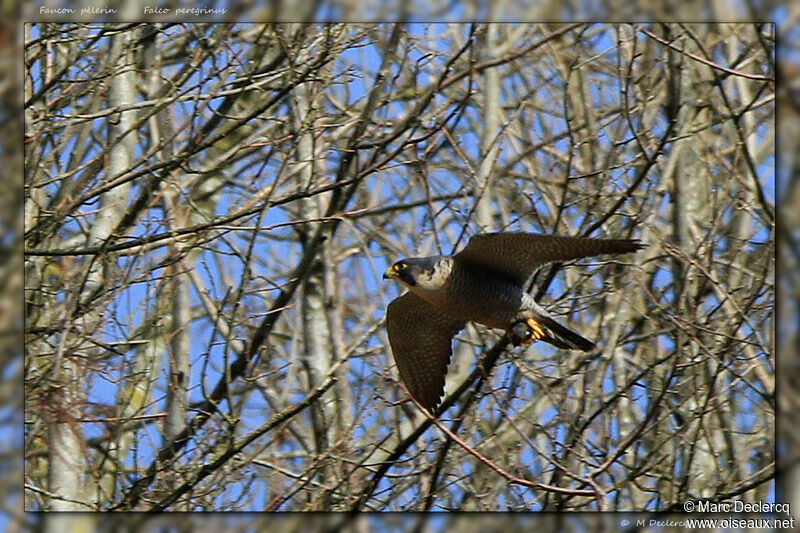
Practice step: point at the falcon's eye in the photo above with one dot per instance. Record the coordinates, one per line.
(400, 265)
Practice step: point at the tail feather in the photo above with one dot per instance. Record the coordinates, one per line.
(561, 337)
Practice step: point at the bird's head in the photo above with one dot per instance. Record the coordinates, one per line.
(420, 272)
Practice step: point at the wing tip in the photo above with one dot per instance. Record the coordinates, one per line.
(427, 400)
(635, 245)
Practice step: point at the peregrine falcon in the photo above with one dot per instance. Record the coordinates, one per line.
(484, 283)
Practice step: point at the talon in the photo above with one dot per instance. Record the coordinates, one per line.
(536, 331)
(525, 332)
(519, 333)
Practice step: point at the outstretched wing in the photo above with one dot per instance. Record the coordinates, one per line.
(516, 256)
(421, 336)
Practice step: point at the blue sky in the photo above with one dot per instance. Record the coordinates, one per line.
(355, 68)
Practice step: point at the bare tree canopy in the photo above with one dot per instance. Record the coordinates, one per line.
(209, 210)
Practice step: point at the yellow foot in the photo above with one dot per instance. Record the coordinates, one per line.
(536, 330)
(521, 333)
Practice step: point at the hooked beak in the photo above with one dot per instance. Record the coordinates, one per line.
(390, 273)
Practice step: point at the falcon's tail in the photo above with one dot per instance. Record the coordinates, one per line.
(561, 337)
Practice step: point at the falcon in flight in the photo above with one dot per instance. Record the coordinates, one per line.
(484, 283)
